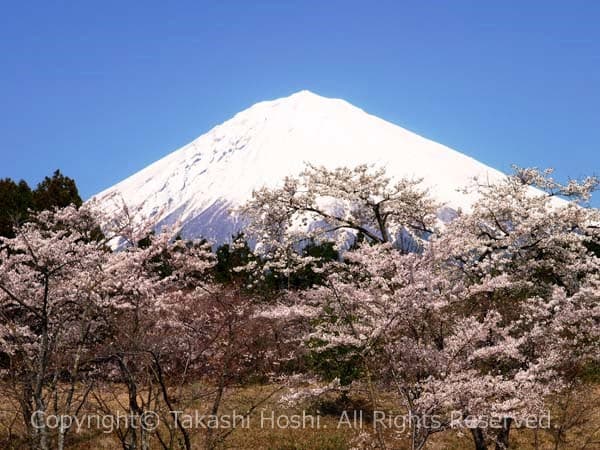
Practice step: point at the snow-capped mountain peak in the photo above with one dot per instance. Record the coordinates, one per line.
(198, 184)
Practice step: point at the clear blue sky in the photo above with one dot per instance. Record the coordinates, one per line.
(101, 89)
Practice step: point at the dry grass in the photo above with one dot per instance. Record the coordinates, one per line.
(579, 415)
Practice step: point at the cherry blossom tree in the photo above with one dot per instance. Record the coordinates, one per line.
(531, 286)
(172, 325)
(336, 205)
(385, 312)
(141, 280)
(50, 305)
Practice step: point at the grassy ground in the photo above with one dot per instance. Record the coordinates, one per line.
(322, 429)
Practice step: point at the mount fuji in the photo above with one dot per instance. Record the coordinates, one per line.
(197, 185)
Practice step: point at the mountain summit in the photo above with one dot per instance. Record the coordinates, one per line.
(199, 183)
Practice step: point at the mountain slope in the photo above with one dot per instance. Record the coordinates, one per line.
(198, 183)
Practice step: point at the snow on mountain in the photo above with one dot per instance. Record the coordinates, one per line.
(199, 183)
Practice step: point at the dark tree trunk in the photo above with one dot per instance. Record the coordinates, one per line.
(131, 437)
(478, 439)
(502, 436)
